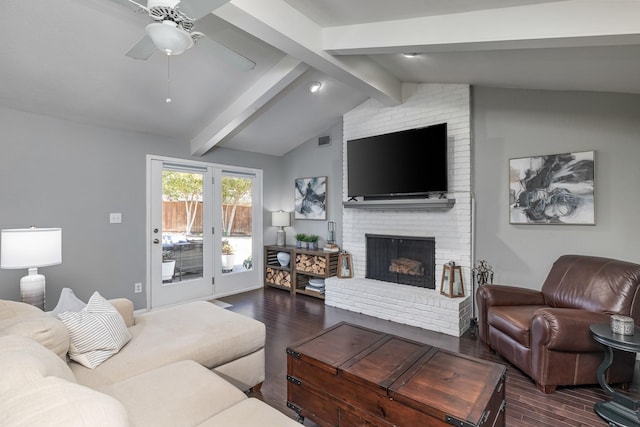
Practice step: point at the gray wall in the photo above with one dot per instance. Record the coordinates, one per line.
(310, 160)
(55, 173)
(519, 123)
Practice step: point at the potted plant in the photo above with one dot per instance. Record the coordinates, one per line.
(248, 263)
(300, 239)
(168, 265)
(312, 241)
(228, 256)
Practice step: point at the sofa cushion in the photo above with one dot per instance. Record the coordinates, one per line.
(182, 393)
(199, 331)
(125, 308)
(250, 413)
(23, 360)
(68, 301)
(97, 332)
(18, 318)
(54, 402)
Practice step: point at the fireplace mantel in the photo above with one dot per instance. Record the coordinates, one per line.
(402, 204)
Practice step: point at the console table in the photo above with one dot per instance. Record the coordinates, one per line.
(621, 410)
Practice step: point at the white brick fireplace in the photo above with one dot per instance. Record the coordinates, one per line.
(424, 104)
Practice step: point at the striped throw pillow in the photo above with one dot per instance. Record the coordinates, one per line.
(96, 333)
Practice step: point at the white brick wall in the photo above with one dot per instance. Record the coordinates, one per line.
(424, 104)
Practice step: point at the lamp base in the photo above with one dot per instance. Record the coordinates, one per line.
(32, 289)
(281, 237)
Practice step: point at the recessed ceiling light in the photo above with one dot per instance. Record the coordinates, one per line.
(410, 55)
(314, 87)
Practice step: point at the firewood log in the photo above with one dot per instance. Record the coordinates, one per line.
(407, 266)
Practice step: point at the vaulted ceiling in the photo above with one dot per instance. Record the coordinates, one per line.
(67, 59)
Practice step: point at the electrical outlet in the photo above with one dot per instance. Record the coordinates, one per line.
(137, 288)
(115, 218)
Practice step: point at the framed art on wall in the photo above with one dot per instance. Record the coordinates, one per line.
(310, 198)
(552, 189)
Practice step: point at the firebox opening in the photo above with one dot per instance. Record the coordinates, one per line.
(404, 260)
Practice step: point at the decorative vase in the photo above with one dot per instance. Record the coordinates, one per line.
(313, 245)
(284, 258)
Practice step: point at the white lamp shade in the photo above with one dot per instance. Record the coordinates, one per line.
(168, 37)
(30, 247)
(280, 219)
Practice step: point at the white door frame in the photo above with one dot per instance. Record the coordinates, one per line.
(215, 271)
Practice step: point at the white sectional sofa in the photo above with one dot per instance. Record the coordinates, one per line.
(183, 366)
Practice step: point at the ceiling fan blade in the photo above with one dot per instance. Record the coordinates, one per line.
(143, 49)
(196, 9)
(228, 55)
(137, 7)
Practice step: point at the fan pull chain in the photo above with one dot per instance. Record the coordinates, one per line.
(168, 100)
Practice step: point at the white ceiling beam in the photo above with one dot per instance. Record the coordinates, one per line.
(247, 104)
(285, 28)
(574, 23)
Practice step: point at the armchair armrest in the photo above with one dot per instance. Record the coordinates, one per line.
(125, 308)
(565, 329)
(509, 295)
(490, 295)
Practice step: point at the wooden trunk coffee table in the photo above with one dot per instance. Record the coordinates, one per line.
(348, 375)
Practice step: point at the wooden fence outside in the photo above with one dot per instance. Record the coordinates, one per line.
(174, 219)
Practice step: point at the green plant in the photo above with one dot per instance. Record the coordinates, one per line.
(312, 238)
(248, 263)
(227, 249)
(300, 237)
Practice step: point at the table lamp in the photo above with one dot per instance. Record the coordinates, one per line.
(280, 219)
(31, 248)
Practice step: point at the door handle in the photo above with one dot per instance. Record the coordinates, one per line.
(156, 241)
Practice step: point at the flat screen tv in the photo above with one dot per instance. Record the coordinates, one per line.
(405, 164)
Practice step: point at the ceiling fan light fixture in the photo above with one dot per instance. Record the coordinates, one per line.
(315, 87)
(168, 37)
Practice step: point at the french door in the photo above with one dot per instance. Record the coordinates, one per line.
(239, 205)
(204, 230)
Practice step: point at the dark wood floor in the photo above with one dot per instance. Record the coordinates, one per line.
(291, 318)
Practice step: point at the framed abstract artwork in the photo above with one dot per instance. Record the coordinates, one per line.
(310, 198)
(552, 189)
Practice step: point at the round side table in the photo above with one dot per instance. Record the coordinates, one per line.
(621, 410)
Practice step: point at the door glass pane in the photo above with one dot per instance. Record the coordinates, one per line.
(237, 220)
(181, 226)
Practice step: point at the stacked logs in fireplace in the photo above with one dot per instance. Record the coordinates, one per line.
(406, 260)
(407, 266)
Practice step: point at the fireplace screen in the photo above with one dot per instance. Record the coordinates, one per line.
(402, 259)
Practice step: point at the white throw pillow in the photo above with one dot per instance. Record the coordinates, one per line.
(97, 332)
(68, 301)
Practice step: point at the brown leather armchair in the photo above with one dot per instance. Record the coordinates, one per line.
(546, 333)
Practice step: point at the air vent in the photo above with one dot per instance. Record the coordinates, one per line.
(324, 141)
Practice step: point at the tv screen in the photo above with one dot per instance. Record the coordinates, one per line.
(400, 164)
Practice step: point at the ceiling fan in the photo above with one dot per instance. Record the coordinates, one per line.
(172, 32)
